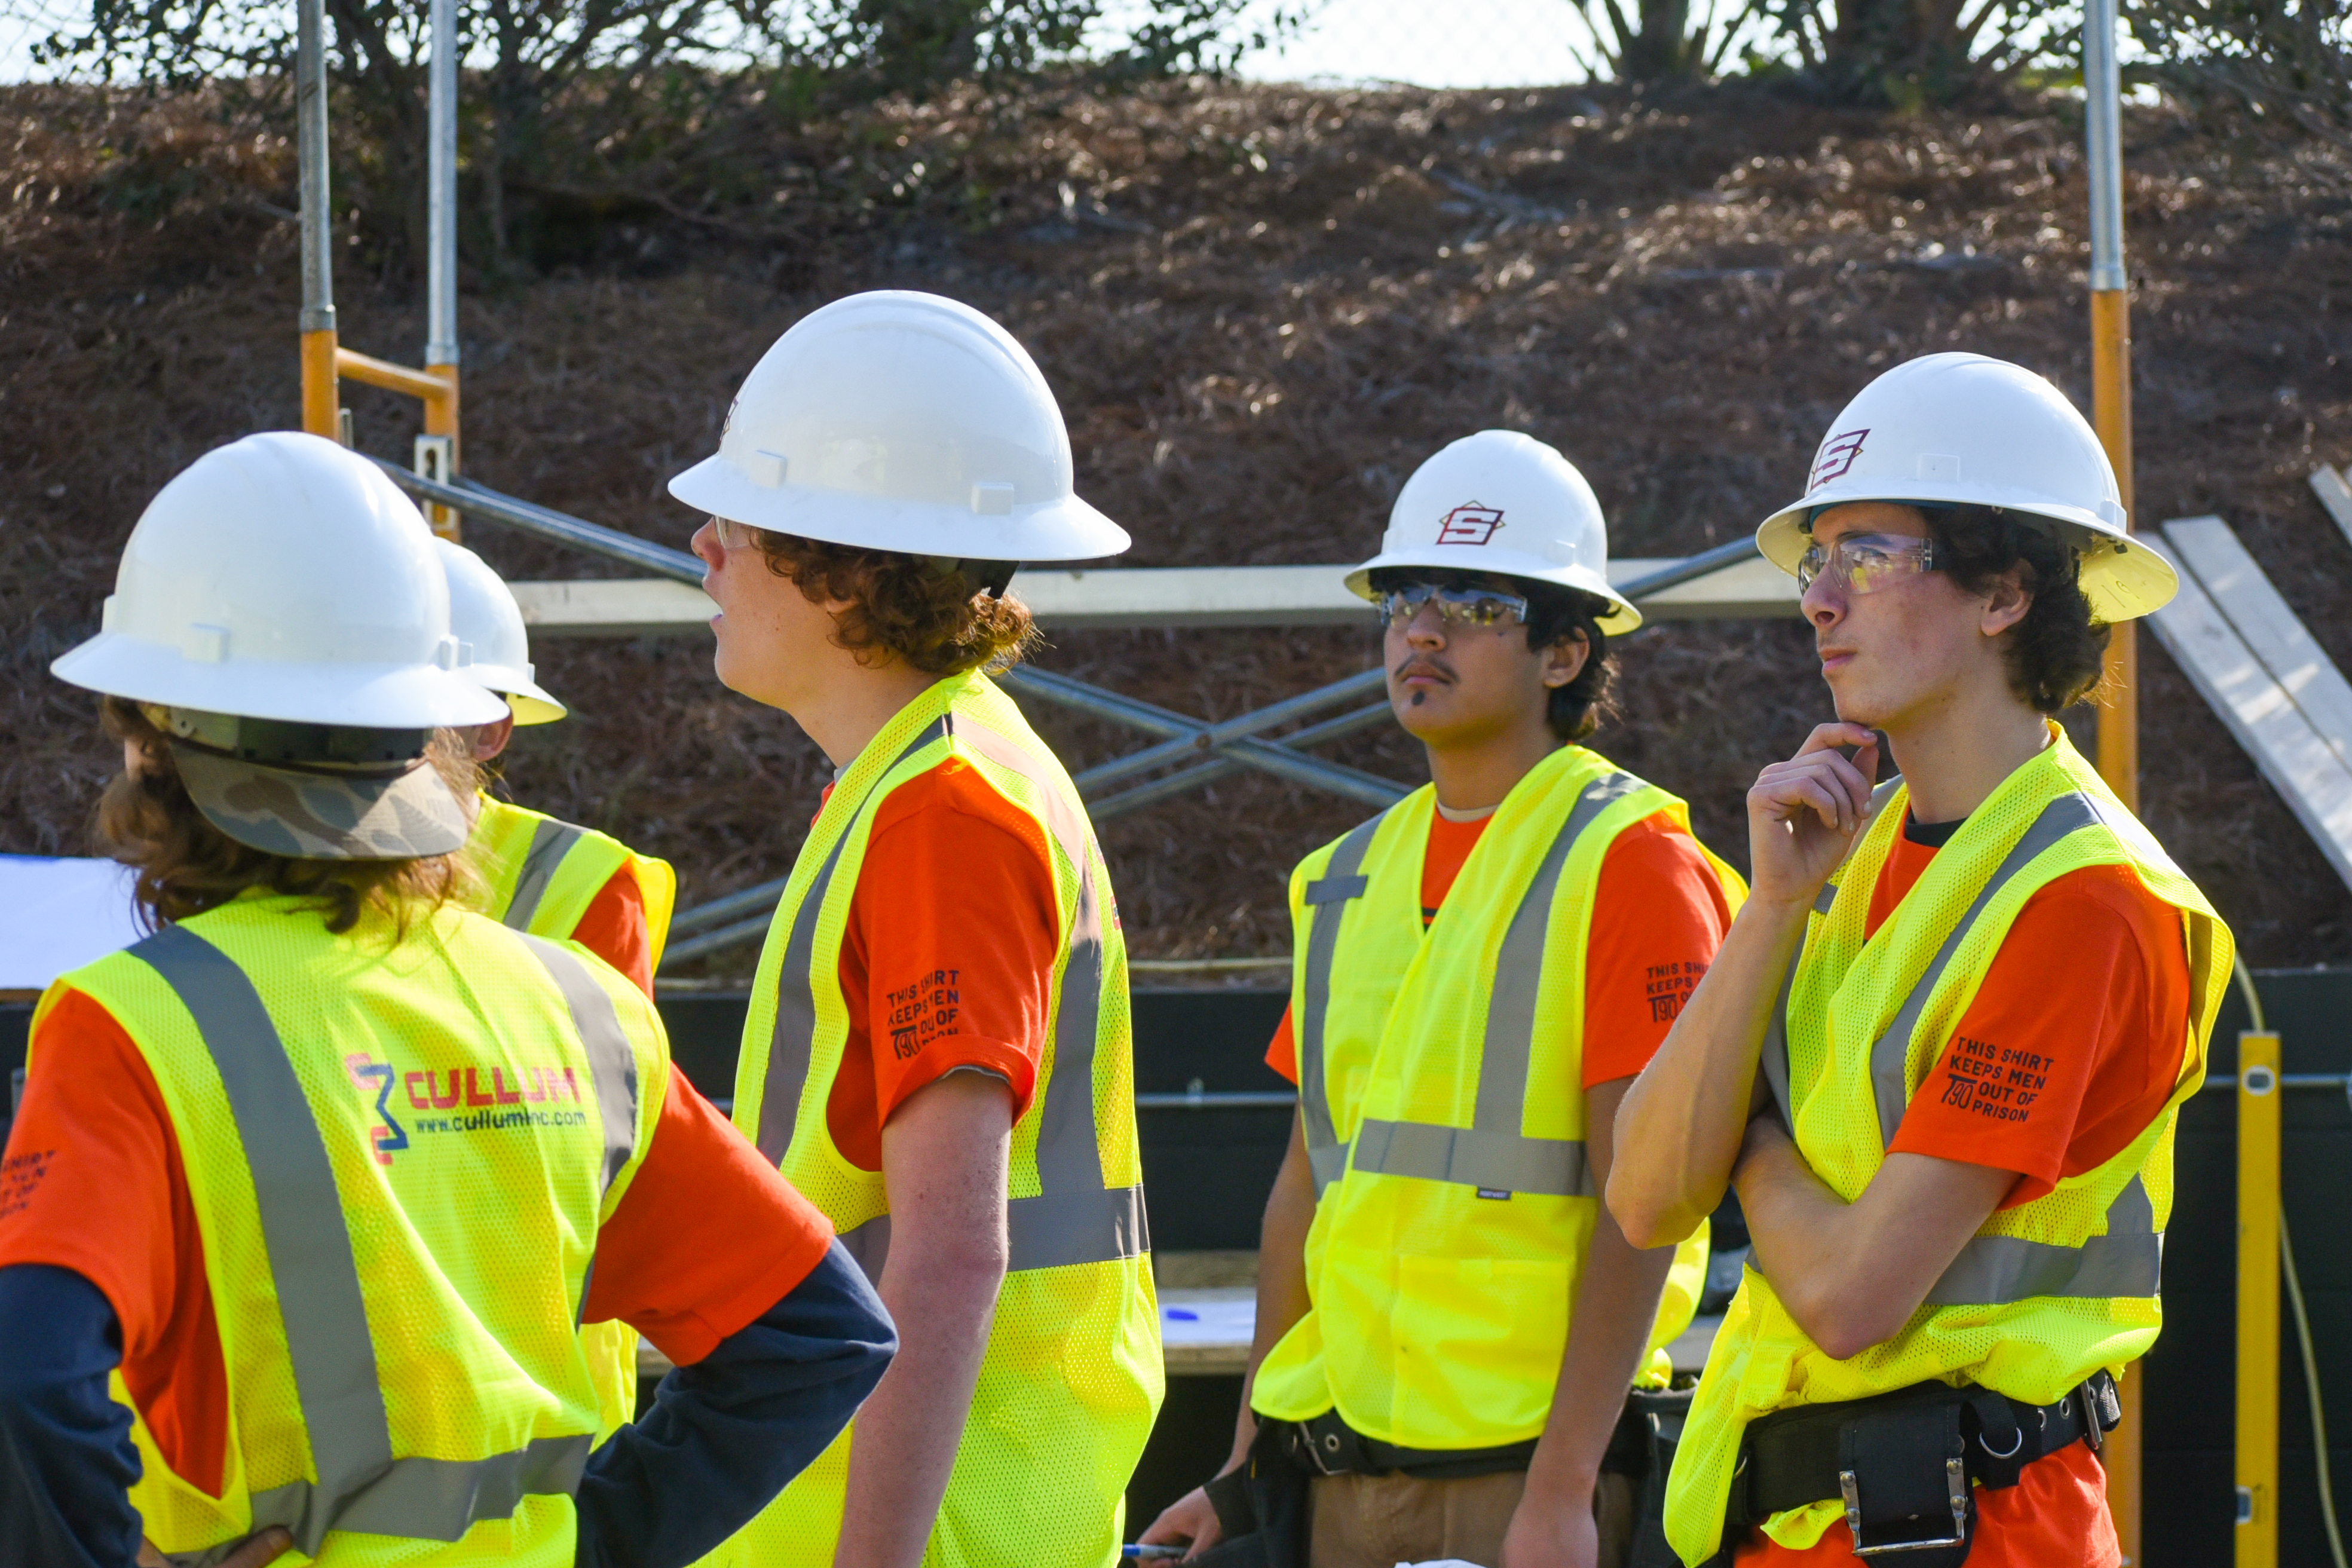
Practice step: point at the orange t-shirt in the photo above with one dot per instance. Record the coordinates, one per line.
(93, 1182)
(1658, 915)
(948, 959)
(613, 928)
(2069, 1049)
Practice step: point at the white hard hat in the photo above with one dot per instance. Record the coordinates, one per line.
(1963, 430)
(902, 421)
(283, 576)
(279, 614)
(483, 616)
(1504, 502)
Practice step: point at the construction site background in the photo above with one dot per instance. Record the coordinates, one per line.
(1261, 307)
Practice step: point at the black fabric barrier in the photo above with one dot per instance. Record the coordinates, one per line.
(1207, 1173)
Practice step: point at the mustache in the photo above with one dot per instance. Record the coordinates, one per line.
(1423, 664)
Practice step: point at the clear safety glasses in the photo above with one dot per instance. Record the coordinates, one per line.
(733, 535)
(1865, 563)
(1460, 607)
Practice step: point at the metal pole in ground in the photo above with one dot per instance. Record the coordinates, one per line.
(320, 406)
(2118, 745)
(437, 451)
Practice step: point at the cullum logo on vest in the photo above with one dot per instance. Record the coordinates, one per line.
(435, 1088)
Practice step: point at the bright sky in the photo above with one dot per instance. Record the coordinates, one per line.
(1430, 43)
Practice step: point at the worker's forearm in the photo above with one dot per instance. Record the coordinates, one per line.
(1678, 1131)
(67, 1463)
(1608, 1335)
(943, 1297)
(1282, 1295)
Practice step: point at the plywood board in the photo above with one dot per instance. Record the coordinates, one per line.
(2304, 770)
(2329, 485)
(2271, 630)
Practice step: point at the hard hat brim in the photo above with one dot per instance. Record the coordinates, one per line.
(2123, 575)
(1064, 529)
(370, 697)
(306, 814)
(529, 702)
(1621, 617)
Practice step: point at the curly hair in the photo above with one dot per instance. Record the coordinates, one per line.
(2057, 653)
(931, 615)
(1555, 615)
(186, 865)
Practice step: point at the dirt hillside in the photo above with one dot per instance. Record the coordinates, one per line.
(1260, 307)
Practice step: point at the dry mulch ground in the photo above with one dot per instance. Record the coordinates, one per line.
(1261, 308)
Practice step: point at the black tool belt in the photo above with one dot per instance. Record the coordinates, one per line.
(1906, 1464)
(1328, 1446)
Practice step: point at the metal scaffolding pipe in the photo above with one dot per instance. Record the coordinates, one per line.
(320, 404)
(464, 495)
(441, 175)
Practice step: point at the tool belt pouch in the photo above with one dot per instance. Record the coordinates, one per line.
(1902, 1476)
(1644, 1450)
(1261, 1508)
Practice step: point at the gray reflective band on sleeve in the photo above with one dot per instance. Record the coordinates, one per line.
(315, 1275)
(550, 841)
(609, 1056)
(1890, 1056)
(1327, 895)
(794, 1035)
(1997, 1270)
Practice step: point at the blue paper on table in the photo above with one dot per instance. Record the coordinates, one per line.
(58, 914)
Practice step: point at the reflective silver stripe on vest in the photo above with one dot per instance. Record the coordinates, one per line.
(611, 1059)
(1074, 1218)
(1996, 1270)
(550, 841)
(1493, 1153)
(1044, 1232)
(793, 1037)
(360, 1486)
(1327, 896)
(1890, 1056)
(1774, 1058)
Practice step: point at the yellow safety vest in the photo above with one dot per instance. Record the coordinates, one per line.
(1441, 1085)
(542, 873)
(539, 875)
(1073, 1375)
(2046, 1293)
(400, 1151)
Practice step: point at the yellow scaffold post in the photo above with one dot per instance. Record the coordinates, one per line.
(2258, 1300)
(325, 363)
(2118, 745)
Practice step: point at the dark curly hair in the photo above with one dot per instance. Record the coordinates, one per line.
(935, 617)
(2057, 653)
(186, 865)
(1555, 615)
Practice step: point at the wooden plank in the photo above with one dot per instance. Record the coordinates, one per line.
(2271, 630)
(2304, 770)
(2329, 485)
(1155, 596)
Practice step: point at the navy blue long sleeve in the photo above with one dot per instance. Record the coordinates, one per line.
(726, 1434)
(67, 1462)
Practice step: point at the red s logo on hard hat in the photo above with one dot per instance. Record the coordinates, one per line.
(1470, 525)
(1836, 455)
